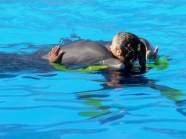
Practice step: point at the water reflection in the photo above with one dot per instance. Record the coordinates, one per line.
(119, 79)
(16, 131)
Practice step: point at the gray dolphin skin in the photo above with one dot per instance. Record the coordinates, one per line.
(86, 53)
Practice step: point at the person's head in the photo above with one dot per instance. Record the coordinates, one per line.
(124, 46)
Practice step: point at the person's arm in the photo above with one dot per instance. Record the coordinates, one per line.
(55, 55)
(152, 53)
(113, 63)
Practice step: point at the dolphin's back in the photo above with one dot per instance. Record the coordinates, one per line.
(84, 53)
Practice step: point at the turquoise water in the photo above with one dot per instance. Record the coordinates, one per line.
(41, 103)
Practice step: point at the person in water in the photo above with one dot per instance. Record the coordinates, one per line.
(124, 50)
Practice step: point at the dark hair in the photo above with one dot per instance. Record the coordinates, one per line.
(131, 47)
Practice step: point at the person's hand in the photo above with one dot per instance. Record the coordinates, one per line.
(155, 53)
(54, 54)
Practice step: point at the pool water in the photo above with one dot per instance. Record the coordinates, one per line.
(39, 102)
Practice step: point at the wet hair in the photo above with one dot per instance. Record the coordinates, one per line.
(128, 43)
(131, 47)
